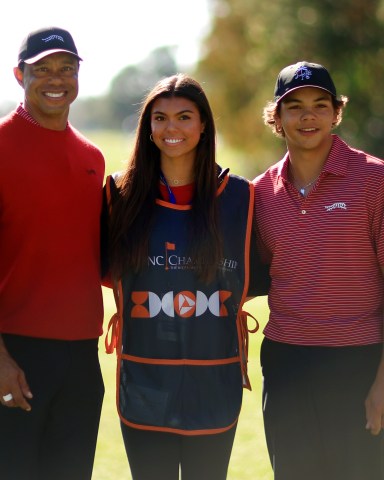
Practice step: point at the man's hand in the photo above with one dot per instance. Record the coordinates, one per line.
(13, 384)
(374, 404)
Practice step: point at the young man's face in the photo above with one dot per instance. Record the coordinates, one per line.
(50, 86)
(307, 116)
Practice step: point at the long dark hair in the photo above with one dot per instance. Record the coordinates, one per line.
(133, 208)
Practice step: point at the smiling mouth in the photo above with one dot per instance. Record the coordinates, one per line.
(54, 94)
(173, 141)
(313, 129)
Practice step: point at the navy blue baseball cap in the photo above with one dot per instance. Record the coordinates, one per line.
(45, 41)
(303, 74)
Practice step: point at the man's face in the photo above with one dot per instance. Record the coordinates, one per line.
(307, 116)
(50, 86)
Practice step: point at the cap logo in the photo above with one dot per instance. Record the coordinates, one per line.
(303, 73)
(53, 37)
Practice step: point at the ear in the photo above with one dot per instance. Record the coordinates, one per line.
(277, 121)
(19, 75)
(202, 127)
(335, 116)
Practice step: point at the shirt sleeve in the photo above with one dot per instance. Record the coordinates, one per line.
(104, 244)
(375, 195)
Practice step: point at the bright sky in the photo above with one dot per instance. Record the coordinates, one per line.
(109, 35)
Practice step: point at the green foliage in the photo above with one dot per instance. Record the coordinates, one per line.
(250, 42)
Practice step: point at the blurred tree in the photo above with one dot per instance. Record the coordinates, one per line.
(118, 109)
(92, 113)
(250, 42)
(132, 84)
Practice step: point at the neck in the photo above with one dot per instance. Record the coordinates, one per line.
(177, 174)
(304, 172)
(306, 165)
(301, 176)
(52, 122)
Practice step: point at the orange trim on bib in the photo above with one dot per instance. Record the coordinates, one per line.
(179, 361)
(188, 433)
(242, 319)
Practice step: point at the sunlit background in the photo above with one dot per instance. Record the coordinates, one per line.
(235, 48)
(109, 35)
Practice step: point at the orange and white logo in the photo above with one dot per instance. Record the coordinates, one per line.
(184, 304)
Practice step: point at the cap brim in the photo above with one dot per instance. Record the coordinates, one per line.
(41, 55)
(303, 86)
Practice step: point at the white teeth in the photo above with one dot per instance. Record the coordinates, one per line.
(54, 95)
(308, 129)
(172, 140)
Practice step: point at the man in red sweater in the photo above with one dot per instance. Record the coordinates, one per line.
(51, 310)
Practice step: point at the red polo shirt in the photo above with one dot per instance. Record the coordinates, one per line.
(326, 251)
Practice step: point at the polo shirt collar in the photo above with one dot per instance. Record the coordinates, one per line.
(336, 163)
(20, 110)
(26, 115)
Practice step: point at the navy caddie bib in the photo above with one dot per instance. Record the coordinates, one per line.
(179, 347)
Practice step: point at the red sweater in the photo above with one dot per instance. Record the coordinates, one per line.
(50, 202)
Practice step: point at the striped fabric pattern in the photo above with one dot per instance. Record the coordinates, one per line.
(326, 251)
(27, 116)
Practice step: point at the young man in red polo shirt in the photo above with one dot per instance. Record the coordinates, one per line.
(319, 214)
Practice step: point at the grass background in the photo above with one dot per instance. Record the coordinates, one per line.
(249, 460)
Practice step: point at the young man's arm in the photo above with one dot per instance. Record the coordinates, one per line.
(374, 403)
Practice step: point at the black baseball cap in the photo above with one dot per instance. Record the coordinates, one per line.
(303, 74)
(45, 41)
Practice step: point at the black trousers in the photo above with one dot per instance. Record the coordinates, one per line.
(161, 456)
(56, 440)
(314, 413)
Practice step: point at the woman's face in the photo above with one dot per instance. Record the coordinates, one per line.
(176, 127)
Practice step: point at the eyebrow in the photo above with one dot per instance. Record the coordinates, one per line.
(177, 113)
(297, 100)
(68, 60)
